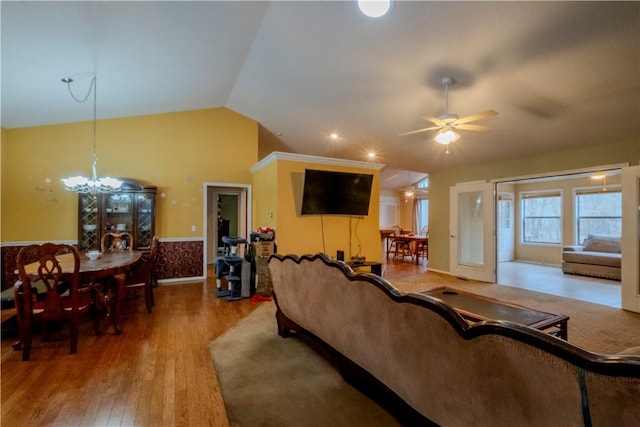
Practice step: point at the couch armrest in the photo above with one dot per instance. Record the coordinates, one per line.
(573, 248)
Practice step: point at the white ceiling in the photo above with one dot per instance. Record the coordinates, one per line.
(560, 74)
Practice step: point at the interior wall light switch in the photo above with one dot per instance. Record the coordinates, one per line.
(193, 228)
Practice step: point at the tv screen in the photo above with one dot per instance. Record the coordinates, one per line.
(336, 193)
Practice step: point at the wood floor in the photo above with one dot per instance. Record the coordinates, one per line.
(159, 372)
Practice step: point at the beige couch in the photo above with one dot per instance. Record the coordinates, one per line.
(598, 256)
(418, 357)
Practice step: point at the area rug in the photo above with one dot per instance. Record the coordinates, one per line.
(267, 380)
(594, 327)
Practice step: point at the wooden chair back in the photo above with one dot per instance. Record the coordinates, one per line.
(399, 247)
(422, 246)
(61, 300)
(116, 242)
(142, 274)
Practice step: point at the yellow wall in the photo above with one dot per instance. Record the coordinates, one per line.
(175, 151)
(439, 183)
(278, 189)
(265, 196)
(2, 138)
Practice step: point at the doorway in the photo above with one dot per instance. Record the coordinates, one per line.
(227, 210)
(548, 257)
(227, 217)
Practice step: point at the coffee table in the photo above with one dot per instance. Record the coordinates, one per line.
(376, 267)
(476, 308)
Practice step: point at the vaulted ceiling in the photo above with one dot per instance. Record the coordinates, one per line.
(560, 74)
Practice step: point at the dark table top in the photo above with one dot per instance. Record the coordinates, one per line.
(484, 308)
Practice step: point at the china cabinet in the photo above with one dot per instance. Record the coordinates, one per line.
(131, 209)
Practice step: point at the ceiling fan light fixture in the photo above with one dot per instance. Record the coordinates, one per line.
(374, 8)
(446, 137)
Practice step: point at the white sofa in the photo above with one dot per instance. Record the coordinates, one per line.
(598, 256)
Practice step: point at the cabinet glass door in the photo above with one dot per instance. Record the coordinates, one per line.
(144, 232)
(88, 222)
(118, 212)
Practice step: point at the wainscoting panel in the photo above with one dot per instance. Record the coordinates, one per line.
(9, 254)
(176, 259)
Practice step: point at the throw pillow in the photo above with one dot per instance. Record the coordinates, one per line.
(595, 243)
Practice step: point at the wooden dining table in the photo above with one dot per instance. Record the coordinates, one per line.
(413, 240)
(387, 235)
(114, 264)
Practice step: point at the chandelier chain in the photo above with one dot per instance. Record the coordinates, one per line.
(94, 184)
(93, 84)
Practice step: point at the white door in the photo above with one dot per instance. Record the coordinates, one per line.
(472, 231)
(505, 227)
(631, 238)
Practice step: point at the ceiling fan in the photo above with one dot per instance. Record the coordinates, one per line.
(413, 191)
(447, 124)
(416, 189)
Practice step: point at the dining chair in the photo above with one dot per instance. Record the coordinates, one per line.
(116, 242)
(61, 302)
(422, 246)
(399, 247)
(391, 247)
(141, 276)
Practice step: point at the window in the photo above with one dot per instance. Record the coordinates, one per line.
(422, 214)
(505, 215)
(542, 217)
(598, 212)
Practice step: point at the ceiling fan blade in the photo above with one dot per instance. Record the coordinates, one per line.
(419, 130)
(435, 121)
(475, 128)
(473, 118)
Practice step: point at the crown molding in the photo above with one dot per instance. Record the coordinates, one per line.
(328, 161)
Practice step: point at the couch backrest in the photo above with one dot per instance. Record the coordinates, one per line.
(492, 373)
(595, 243)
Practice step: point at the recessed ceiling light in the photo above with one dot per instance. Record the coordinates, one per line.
(374, 8)
(371, 155)
(334, 136)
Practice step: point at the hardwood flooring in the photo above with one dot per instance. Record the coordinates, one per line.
(159, 372)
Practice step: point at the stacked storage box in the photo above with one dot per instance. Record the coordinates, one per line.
(262, 251)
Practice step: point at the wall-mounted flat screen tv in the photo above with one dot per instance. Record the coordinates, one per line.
(336, 193)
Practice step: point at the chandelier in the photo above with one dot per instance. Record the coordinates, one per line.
(93, 184)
